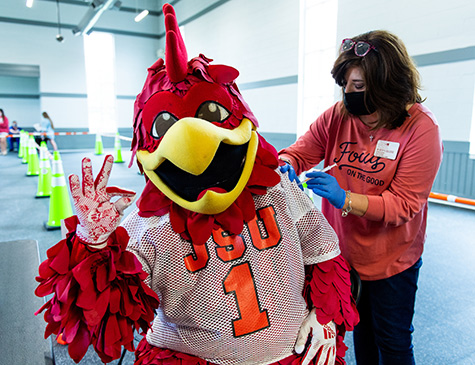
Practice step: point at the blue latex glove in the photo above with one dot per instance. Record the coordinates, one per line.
(327, 187)
(291, 173)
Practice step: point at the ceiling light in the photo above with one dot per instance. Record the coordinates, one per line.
(29, 3)
(142, 15)
(59, 37)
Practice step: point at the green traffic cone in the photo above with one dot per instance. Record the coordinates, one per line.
(44, 179)
(99, 147)
(59, 203)
(21, 144)
(24, 154)
(117, 149)
(33, 163)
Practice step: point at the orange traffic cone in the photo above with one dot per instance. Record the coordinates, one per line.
(59, 203)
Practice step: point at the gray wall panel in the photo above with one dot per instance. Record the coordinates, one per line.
(457, 172)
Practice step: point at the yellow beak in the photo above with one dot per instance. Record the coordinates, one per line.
(191, 145)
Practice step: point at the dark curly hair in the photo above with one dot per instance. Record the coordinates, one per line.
(391, 78)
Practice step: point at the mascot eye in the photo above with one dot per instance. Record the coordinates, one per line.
(212, 112)
(162, 123)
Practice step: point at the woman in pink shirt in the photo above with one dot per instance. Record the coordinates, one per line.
(3, 133)
(388, 150)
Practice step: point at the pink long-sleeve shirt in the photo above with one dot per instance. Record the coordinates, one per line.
(390, 237)
(4, 125)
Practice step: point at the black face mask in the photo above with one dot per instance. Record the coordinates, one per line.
(354, 103)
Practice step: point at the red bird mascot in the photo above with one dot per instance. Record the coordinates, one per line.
(229, 260)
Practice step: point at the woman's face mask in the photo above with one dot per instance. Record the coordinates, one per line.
(354, 103)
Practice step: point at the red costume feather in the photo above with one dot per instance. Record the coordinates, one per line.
(99, 295)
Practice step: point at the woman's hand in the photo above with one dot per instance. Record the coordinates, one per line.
(327, 187)
(97, 215)
(287, 168)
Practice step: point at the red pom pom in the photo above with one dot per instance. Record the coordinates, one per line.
(99, 297)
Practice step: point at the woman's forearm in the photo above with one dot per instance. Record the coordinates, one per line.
(358, 203)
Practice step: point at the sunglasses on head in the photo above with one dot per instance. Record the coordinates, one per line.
(361, 48)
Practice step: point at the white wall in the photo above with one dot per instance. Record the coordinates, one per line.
(426, 26)
(134, 55)
(27, 107)
(449, 91)
(260, 39)
(62, 70)
(61, 65)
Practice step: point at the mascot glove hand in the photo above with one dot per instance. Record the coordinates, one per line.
(327, 187)
(291, 173)
(98, 216)
(322, 346)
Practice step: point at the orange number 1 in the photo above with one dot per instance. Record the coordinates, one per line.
(240, 282)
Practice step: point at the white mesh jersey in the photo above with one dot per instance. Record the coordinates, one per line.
(235, 299)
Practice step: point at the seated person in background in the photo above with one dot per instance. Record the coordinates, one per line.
(3, 132)
(14, 141)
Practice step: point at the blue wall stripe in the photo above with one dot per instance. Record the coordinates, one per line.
(19, 96)
(126, 97)
(63, 95)
(452, 55)
(71, 26)
(84, 96)
(429, 59)
(34, 22)
(270, 82)
(59, 95)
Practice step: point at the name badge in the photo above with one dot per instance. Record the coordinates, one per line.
(386, 149)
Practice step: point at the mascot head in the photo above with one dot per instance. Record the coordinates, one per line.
(195, 139)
